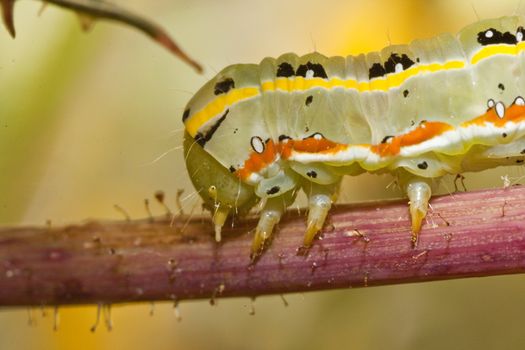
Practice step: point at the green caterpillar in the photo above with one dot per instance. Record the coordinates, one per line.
(437, 106)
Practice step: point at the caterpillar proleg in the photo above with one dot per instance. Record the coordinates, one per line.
(444, 105)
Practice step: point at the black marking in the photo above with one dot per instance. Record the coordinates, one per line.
(201, 138)
(232, 169)
(405, 93)
(504, 134)
(224, 86)
(522, 151)
(493, 36)
(376, 71)
(285, 69)
(316, 68)
(519, 161)
(235, 130)
(386, 138)
(315, 135)
(309, 100)
(423, 165)
(394, 59)
(418, 60)
(284, 137)
(185, 115)
(501, 86)
(311, 174)
(273, 190)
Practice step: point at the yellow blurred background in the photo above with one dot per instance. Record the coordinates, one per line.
(84, 117)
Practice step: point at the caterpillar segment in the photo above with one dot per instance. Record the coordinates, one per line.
(443, 105)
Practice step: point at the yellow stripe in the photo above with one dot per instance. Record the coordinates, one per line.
(217, 106)
(393, 80)
(500, 49)
(380, 84)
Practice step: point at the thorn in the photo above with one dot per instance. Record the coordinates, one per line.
(151, 308)
(86, 21)
(56, 318)
(122, 211)
(97, 319)
(148, 210)
(178, 201)
(106, 309)
(7, 11)
(159, 196)
(176, 311)
(42, 8)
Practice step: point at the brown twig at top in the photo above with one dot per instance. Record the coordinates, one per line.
(466, 235)
(99, 9)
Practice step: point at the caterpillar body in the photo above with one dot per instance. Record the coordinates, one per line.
(438, 106)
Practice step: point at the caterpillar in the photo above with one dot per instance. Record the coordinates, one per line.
(437, 106)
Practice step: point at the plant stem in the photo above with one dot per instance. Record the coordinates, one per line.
(466, 235)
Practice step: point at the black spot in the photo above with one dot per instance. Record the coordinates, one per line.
(405, 93)
(386, 138)
(522, 151)
(377, 70)
(492, 36)
(394, 59)
(235, 130)
(311, 174)
(284, 137)
(273, 190)
(418, 60)
(285, 69)
(309, 100)
(306, 129)
(504, 134)
(185, 115)
(224, 86)
(423, 165)
(422, 122)
(201, 138)
(232, 169)
(318, 70)
(501, 87)
(318, 134)
(519, 161)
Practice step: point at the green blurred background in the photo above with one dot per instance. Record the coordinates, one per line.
(83, 118)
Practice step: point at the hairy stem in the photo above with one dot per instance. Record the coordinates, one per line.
(466, 234)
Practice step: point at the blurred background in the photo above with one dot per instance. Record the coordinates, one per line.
(84, 119)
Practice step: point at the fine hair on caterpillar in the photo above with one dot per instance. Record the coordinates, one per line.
(444, 105)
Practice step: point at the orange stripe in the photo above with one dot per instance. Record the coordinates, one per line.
(424, 132)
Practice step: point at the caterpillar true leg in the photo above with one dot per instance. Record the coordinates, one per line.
(419, 192)
(320, 199)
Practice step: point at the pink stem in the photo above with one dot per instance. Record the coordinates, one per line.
(466, 235)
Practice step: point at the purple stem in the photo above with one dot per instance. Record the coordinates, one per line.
(466, 235)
